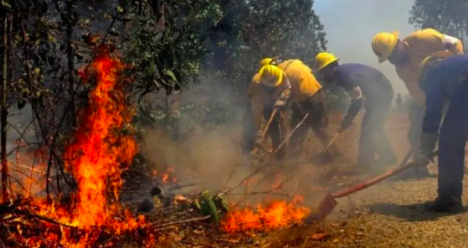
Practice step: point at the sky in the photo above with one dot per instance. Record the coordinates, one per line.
(351, 24)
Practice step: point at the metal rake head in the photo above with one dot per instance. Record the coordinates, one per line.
(319, 155)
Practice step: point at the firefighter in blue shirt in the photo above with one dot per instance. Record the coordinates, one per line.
(444, 81)
(369, 87)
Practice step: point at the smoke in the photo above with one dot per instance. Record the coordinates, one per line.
(351, 25)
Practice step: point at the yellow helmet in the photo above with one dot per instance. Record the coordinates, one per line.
(383, 45)
(269, 61)
(323, 59)
(271, 75)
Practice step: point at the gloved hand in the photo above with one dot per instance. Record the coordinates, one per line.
(258, 137)
(421, 159)
(426, 147)
(428, 142)
(346, 122)
(279, 104)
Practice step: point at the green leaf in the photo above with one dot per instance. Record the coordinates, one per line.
(208, 206)
(171, 75)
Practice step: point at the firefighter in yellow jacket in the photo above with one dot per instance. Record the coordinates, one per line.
(407, 55)
(290, 82)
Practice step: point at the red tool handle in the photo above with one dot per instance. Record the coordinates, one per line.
(372, 181)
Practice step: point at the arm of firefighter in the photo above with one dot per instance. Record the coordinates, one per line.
(453, 44)
(356, 102)
(284, 96)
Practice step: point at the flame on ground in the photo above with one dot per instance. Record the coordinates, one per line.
(165, 177)
(277, 214)
(95, 158)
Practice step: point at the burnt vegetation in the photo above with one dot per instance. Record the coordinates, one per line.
(171, 48)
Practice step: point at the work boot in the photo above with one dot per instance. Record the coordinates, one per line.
(444, 205)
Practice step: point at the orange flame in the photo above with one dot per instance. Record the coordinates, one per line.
(277, 214)
(166, 177)
(95, 157)
(99, 147)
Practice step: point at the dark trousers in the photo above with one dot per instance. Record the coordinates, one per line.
(452, 142)
(373, 140)
(415, 115)
(277, 131)
(317, 120)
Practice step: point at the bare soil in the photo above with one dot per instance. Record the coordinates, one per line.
(389, 214)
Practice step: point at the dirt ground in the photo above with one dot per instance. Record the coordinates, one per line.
(389, 214)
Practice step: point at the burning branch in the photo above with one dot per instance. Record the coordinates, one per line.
(95, 158)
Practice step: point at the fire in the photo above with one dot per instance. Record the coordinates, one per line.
(277, 214)
(96, 157)
(166, 177)
(99, 147)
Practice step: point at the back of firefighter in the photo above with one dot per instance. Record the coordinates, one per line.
(444, 80)
(307, 99)
(369, 87)
(407, 56)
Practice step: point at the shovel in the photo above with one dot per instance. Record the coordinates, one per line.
(329, 202)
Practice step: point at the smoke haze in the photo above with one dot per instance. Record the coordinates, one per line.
(351, 25)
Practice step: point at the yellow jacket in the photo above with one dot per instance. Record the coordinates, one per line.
(419, 45)
(298, 84)
(302, 81)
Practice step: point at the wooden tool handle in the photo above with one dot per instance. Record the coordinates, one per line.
(265, 131)
(376, 179)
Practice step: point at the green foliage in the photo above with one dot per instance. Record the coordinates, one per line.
(251, 30)
(166, 43)
(208, 206)
(448, 17)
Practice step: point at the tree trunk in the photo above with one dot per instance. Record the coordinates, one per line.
(70, 57)
(4, 112)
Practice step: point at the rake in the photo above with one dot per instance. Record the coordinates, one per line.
(329, 202)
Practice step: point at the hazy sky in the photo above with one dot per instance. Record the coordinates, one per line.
(351, 24)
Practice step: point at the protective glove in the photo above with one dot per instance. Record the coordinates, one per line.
(428, 142)
(258, 137)
(426, 147)
(279, 104)
(421, 159)
(346, 122)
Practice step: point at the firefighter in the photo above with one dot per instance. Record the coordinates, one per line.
(444, 81)
(407, 55)
(369, 87)
(249, 132)
(290, 82)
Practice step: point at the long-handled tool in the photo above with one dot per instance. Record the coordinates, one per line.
(334, 138)
(321, 154)
(329, 202)
(265, 130)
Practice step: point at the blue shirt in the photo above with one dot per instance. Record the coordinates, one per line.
(372, 82)
(446, 82)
